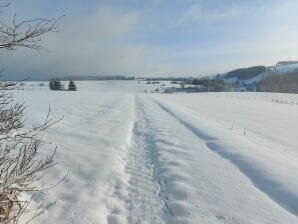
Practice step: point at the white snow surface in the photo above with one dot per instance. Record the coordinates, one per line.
(286, 68)
(196, 158)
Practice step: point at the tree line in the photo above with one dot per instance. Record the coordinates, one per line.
(287, 83)
(210, 85)
(56, 84)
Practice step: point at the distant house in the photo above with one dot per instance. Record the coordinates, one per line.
(152, 82)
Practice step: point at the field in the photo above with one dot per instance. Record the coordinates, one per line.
(135, 157)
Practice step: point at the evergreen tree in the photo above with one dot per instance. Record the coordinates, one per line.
(55, 84)
(51, 84)
(72, 86)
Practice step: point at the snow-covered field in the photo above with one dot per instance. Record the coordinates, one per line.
(179, 158)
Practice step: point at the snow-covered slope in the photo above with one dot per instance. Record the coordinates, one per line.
(178, 158)
(275, 70)
(285, 68)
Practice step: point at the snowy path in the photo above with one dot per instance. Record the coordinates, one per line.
(176, 175)
(145, 205)
(136, 199)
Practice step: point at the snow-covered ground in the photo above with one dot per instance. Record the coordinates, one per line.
(169, 158)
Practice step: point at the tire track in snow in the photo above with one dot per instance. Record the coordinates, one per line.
(137, 199)
(283, 198)
(144, 204)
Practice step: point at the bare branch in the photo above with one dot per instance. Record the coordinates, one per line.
(22, 168)
(27, 33)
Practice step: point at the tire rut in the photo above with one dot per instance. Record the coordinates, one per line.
(286, 200)
(144, 204)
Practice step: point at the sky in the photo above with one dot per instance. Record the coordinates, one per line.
(154, 37)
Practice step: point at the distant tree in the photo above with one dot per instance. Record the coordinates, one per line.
(55, 84)
(215, 86)
(196, 82)
(72, 86)
(218, 77)
(285, 83)
(182, 84)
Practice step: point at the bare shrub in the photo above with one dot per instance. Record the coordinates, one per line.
(22, 167)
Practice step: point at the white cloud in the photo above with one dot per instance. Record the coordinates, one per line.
(92, 45)
(196, 13)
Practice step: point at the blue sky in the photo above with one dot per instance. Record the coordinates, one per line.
(157, 37)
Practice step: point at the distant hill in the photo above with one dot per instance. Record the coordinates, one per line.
(262, 78)
(257, 73)
(246, 73)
